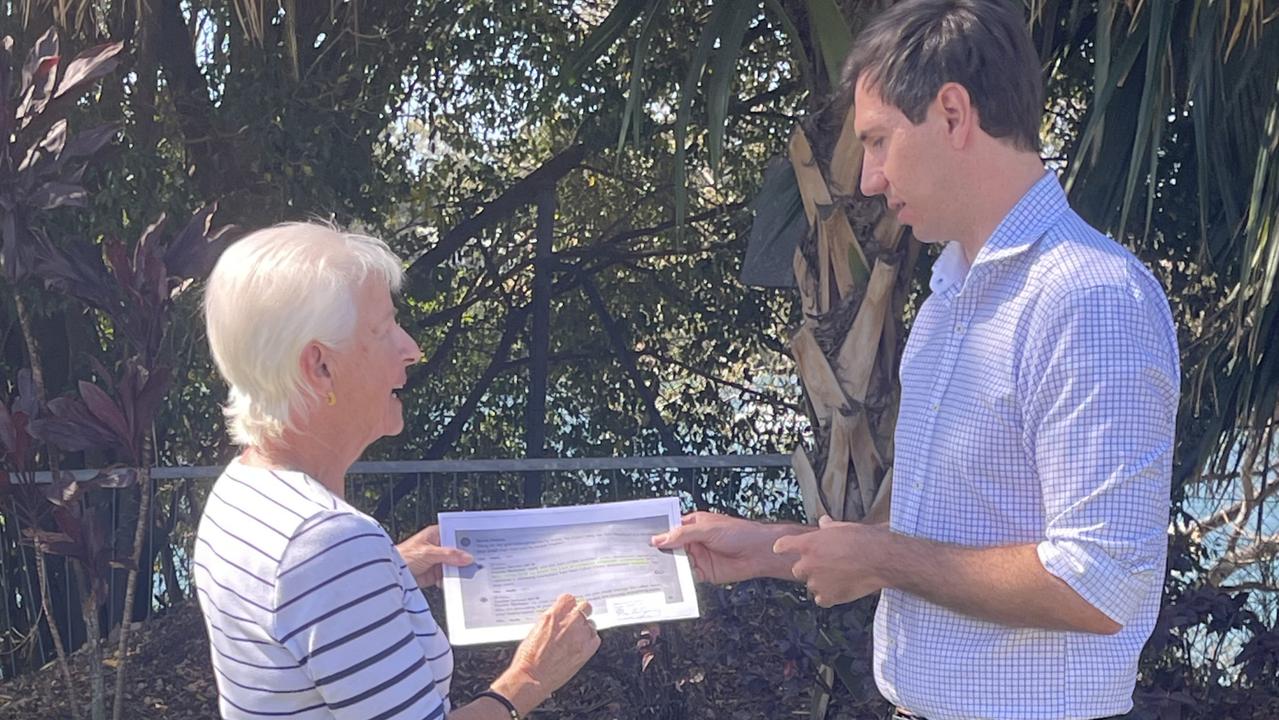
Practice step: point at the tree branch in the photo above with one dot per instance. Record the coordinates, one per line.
(213, 170)
(1259, 551)
(522, 192)
(1229, 514)
(765, 397)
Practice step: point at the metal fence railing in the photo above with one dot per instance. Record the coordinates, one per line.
(403, 495)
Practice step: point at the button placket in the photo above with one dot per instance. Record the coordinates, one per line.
(960, 309)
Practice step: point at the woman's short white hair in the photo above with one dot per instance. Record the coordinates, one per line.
(271, 294)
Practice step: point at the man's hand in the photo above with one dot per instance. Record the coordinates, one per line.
(838, 561)
(726, 549)
(425, 557)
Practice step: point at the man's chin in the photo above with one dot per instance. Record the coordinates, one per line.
(926, 237)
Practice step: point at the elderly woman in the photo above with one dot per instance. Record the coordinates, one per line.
(311, 609)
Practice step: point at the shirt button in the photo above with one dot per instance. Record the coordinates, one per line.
(935, 407)
(960, 328)
(917, 485)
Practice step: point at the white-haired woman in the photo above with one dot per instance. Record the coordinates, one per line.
(312, 610)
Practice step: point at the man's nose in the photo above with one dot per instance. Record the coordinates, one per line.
(873, 182)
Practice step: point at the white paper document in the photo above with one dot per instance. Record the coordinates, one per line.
(524, 559)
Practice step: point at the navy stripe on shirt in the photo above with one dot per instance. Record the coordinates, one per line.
(356, 667)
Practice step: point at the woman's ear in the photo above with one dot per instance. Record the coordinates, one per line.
(314, 363)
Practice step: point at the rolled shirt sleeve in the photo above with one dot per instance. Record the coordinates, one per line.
(1099, 426)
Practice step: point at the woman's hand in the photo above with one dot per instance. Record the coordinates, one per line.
(556, 648)
(425, 558)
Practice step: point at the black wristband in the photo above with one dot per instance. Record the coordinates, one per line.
(510, 707)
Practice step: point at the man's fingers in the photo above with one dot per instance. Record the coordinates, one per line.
(800, 572)
(668, 540)
(826, 521)
(456, 557)
(788, 544)
(687, 532)
(681, 537)
(447, 556)
(701, 562)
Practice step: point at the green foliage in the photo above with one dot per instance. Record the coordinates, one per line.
(412, 119)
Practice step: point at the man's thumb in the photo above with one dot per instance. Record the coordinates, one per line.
(457, 558)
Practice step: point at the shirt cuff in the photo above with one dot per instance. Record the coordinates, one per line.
(1098, 579)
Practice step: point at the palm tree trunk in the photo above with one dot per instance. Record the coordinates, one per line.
(849, 273)
(852, 278)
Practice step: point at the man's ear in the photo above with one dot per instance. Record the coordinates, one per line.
(956, 107)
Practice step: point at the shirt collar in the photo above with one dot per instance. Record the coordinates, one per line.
(1037, 210)
(950, 269)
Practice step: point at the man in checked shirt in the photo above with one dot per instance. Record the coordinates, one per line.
(1022, 566)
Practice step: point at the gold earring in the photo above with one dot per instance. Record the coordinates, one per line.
(332, 399)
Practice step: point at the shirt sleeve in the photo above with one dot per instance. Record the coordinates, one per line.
(339, 609)
(1101, 383)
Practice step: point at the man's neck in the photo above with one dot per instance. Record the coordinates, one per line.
(1004, 182)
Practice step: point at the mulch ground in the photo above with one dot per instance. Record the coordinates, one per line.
(735, 662)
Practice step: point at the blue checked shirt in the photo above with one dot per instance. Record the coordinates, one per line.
(1039, 399)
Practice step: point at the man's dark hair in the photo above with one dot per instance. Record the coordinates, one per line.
(910, 50)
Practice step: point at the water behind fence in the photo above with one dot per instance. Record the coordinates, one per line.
(404, 496)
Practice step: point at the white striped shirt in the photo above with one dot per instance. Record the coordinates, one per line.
(311, 612)
(1039, 400)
